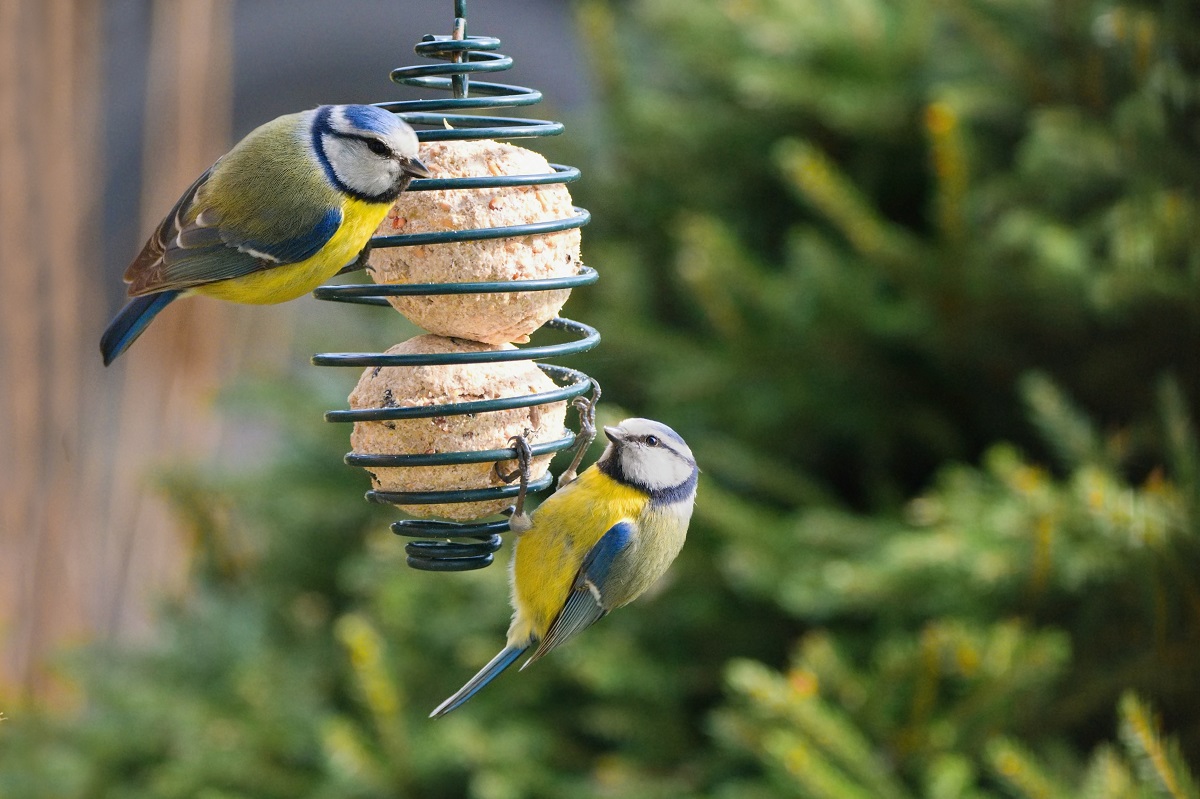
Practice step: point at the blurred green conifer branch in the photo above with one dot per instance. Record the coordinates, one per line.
(918, 282)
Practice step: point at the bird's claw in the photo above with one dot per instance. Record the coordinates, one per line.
(519, 522)
(586, 406)
(524, 456)
(361, 262)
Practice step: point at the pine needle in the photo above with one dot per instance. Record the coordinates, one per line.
(1159, 762)
(1021, 772)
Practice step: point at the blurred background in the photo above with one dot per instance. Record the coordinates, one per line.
(919, 282)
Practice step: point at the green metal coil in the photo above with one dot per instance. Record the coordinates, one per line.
(442, 545)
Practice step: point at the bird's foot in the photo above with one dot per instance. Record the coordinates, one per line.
(520, 521)
(361, 262)
(586, 406)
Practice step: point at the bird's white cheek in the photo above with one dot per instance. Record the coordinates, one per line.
(677, 470)
(634, 469)
(366, 177)
(656, 469)
(357, 168)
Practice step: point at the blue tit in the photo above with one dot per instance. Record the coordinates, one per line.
(596, 544)
(282, 212)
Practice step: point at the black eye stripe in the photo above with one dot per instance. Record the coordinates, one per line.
(378, 147)
(374, 145)
(662, 444)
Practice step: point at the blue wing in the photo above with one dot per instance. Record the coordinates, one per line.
(194, 245)
(586, 604)
(208, 249)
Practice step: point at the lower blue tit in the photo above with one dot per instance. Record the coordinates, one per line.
(282, 212)
(596, 544)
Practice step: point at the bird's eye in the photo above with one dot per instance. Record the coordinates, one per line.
(651, 441)
(379, 148)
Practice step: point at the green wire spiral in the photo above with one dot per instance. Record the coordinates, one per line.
(452, 546)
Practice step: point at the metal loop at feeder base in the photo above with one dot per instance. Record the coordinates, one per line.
(446, 555)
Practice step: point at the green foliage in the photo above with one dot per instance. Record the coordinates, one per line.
(881, 216)
(827, 731)
(918, 281)
(1159, 762)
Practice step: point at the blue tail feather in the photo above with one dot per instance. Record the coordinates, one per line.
(129, 323)
(502, 661)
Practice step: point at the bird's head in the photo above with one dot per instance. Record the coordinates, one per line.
(368, 152)
(651, 457)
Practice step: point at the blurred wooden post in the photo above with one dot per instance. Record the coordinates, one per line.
(83, 539)
(48, 63)
(172, 372)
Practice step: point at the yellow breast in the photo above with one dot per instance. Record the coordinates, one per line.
(548, 555)
(283, 283)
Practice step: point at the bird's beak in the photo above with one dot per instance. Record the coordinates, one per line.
(614, 434)
(414, 167)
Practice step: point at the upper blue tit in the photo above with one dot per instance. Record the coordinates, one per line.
(596, 544)
(282, 212)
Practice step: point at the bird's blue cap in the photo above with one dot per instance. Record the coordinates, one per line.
(370, 118)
